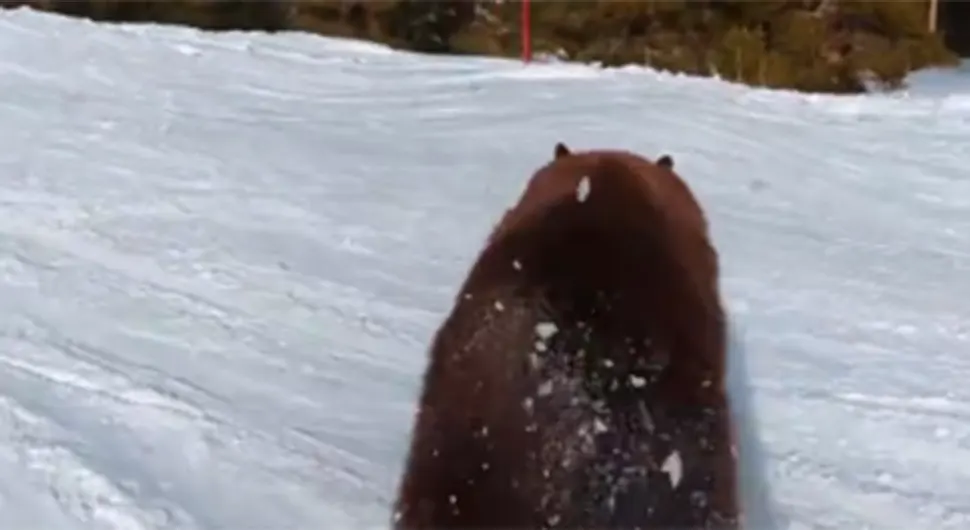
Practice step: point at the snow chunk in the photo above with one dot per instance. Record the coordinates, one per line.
(516, 264)
(545, 330)
(545, 388)
(499, 306)
(599, 427)
(583, 189)
(674, 468)
(637, 381)
(534, 361)
(646, 418)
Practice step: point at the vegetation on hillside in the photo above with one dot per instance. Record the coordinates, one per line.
(809, 45)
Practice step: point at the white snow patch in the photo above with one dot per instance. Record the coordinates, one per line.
(583, 189)
(674, 467)
(599, 426)
(545, 330)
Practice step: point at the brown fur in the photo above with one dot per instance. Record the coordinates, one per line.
(517, 431)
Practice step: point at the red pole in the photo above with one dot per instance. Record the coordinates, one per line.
(526, 31)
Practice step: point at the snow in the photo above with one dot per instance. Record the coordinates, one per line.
(673, 466)
(583, 189)
(545, 330)
(222, 257)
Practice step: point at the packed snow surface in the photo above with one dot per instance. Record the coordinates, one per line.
(222, 258)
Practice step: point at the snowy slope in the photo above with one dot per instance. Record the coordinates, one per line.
(222, 258)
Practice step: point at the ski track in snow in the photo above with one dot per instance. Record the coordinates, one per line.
(222, 258)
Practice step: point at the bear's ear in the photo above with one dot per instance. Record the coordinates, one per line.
(666, 161)
(561, 150)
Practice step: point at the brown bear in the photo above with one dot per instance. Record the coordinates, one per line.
(579, 380)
